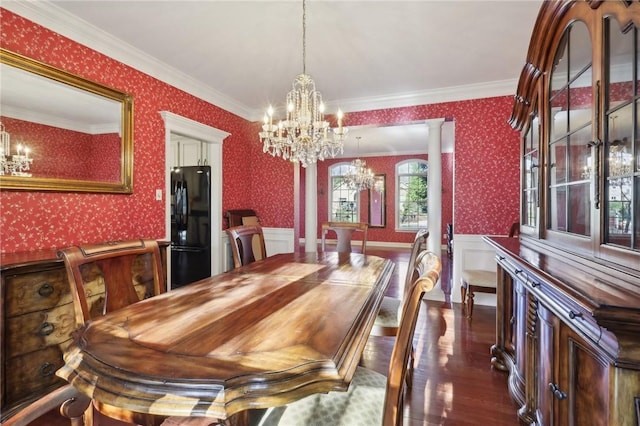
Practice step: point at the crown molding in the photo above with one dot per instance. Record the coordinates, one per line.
(47, 14)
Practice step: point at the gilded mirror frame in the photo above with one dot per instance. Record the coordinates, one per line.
(125, 184)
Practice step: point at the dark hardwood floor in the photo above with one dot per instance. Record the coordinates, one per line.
(453, 382)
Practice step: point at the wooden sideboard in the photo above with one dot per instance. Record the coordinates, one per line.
(569, 336)
(36, 322)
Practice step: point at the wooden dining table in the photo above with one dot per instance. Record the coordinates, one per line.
(263, 335)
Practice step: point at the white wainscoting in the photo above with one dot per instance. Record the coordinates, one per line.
(276, 240)
(471, 252)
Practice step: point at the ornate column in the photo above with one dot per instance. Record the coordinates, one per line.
(434, 193)
(311, 208)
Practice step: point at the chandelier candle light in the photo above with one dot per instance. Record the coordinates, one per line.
(304, 136)
(359, 176)
(17, 164)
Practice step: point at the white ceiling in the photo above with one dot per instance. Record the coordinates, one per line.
(363, 55)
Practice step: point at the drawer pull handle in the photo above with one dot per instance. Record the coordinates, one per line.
(47, 369)
(501, 257)
(46, 329)
(557, 392)
(574, 315)
(45, 290)
(518, 271)
(535, 284)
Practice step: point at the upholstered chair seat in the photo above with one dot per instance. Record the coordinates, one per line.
(362, 404)
(389, 313)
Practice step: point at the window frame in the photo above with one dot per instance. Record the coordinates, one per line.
(356, 212)
(397, 200)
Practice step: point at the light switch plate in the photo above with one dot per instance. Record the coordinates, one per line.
(159, 194)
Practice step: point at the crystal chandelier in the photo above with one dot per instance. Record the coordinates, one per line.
(17, 164)
(304, 136)
(359, 177)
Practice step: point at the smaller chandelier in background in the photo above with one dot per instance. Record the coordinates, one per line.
(17, 164)
(359, 177)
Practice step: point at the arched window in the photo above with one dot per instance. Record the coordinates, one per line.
(411, 194)
(344, 202)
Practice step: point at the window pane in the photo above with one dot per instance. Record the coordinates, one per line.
(621, 151)
(580, 155)
(580, 209)
(558, 171)
(580, 53)
(411, 199)
(619, 213)
(344, 202)
(558, 208)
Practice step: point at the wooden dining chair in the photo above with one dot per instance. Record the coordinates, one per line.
(247, 244)
(70, 403)
(108, 276)
(344, 232)
(372, 398)
(480, 280)
(388, 320)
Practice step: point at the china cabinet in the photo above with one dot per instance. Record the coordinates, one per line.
(568, 322)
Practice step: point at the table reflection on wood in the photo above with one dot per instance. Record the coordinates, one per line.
(263, 335)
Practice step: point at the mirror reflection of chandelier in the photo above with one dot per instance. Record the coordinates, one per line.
(17, 164)
(359, 177)
(304, 136)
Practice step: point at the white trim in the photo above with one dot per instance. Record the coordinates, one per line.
(214, 139)
(470, 251)
(51, 16)
(445, 94)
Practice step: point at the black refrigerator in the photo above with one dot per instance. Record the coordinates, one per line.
(190, 224)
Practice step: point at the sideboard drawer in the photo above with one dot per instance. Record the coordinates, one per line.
(38, 330)
(38, 319)
(32, 374)
(35, 291)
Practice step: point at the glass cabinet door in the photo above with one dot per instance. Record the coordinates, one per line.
(570, 162)
(621, 150)
(531, 167)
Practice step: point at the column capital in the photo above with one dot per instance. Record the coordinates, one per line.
(435, 123)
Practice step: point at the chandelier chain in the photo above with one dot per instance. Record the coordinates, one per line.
(304, 36)
(304, 136)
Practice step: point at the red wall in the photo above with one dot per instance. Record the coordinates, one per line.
(37, 220)
(486, 159)
(485, 179)
(91, 157)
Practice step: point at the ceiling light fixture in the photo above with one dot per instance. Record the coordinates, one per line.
(304, 136)
(17, 164)
(359, 177)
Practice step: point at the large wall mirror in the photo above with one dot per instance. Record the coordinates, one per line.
(377, 204)
(61, 132)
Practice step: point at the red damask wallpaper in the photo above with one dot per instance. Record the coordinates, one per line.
(63, 153)
(485, 163)
(38, 220)
(483, 188)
